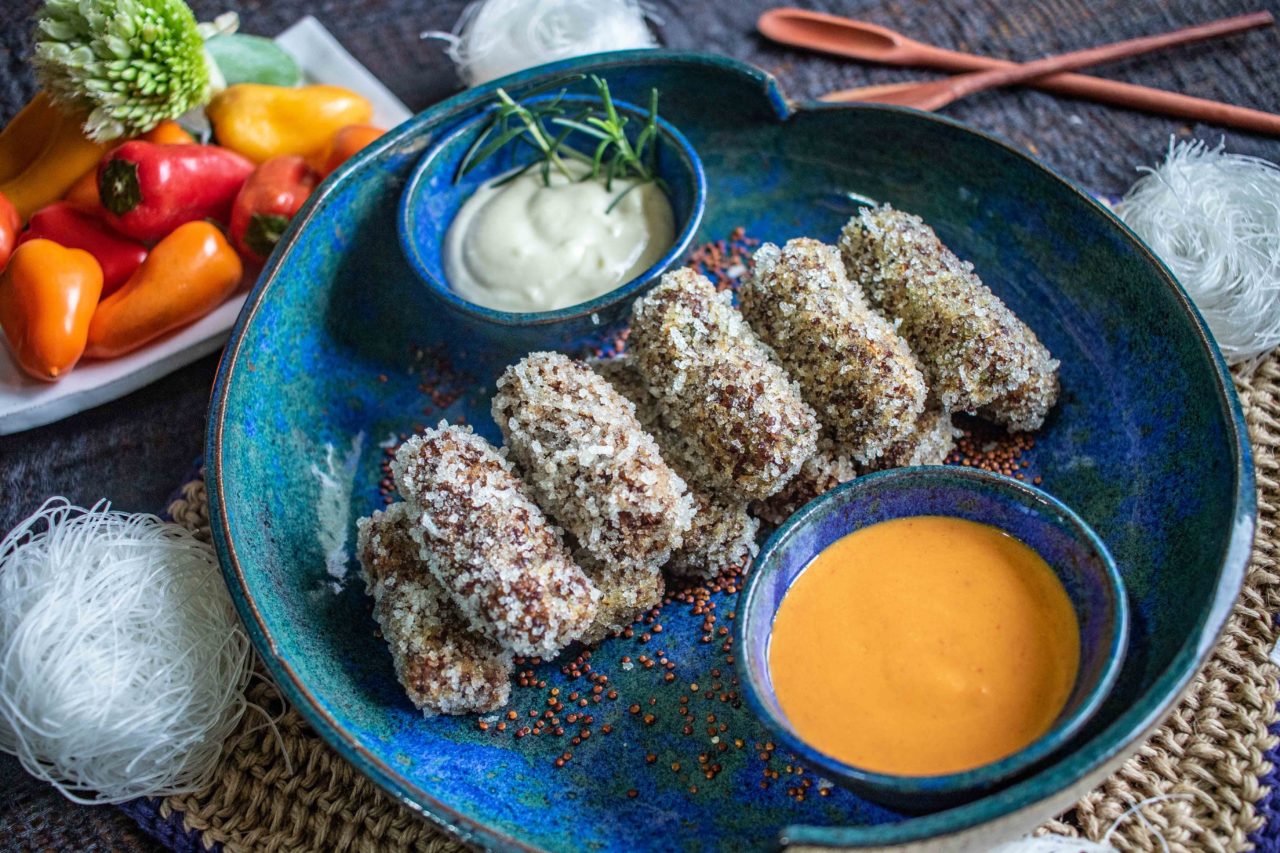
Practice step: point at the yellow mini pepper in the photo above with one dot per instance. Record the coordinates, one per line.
(43, 151)
(26, 134)
(262, 121)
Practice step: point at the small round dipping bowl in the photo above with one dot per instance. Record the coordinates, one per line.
(1066, 543)
(434, 194)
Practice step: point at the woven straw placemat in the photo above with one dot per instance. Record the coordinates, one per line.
(1205, 776)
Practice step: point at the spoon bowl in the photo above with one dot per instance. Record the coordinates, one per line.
(845, 37)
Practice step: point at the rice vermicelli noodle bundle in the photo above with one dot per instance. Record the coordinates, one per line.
(1214, 219)
(122, 661)
(494, 38)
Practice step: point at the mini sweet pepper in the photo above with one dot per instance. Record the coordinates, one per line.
(148, 190)
(344, 145)
(266, 203)
(84, 192)
(47, 297)
(26, 135)
(68, 225)
(42, 155)
(187, 275)
(10, 222)
(262, 122)
(168, 132)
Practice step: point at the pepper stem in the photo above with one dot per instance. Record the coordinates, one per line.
(118, 187)
(264, 231)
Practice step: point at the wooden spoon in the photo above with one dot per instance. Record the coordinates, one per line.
(869, 42)
(937, 94)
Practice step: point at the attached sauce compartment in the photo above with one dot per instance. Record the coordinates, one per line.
(923, 646)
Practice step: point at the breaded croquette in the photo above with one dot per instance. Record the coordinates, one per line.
(747, 428)
(723, 533)
(625, 594)
(858, 375)
(589, 463)
(489, 545)
(1025, 407)
(445, 667)
(929, 443)
(821, 473)
(977, 356)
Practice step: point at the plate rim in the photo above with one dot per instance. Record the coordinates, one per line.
(1083, 763)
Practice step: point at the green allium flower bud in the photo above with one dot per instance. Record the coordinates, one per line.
(129, 64)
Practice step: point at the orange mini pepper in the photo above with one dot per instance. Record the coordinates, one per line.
(169, 132)
(47, 297)
(344, 145)
(187, 275)
(84, 192)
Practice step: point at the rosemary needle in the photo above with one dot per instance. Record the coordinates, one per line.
(614, 157)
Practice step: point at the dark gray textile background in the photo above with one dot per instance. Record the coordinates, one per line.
(135, 450)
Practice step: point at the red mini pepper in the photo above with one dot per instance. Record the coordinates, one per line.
(148, 190)
(68, 225)
(10, 222)
(266, 203)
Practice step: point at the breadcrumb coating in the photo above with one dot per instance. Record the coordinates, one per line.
(723, 533)
(623, 373)
(445, 667)
(747, 427)
(1024, 408)
(976, 354)
(929, 443)
(821, 473)
(625, 595)
(589, 463)
(858, 375)
(489, 545)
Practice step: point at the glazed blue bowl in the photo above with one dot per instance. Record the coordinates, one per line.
(436, 192)
(339, 344)
(1070, 547)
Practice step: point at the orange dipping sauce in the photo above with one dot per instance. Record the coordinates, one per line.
(922, 646)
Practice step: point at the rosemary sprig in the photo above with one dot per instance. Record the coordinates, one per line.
(614, 157)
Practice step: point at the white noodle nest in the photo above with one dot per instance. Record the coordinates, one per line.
(1214, 219)
(122, 662)
(494, 38)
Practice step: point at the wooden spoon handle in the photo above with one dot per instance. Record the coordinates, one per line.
(1124, 95)
(893, 48)
(969, 83)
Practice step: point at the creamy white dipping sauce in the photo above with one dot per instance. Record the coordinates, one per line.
(528, 247)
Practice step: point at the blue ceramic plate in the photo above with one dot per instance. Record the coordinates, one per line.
(340, 348)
